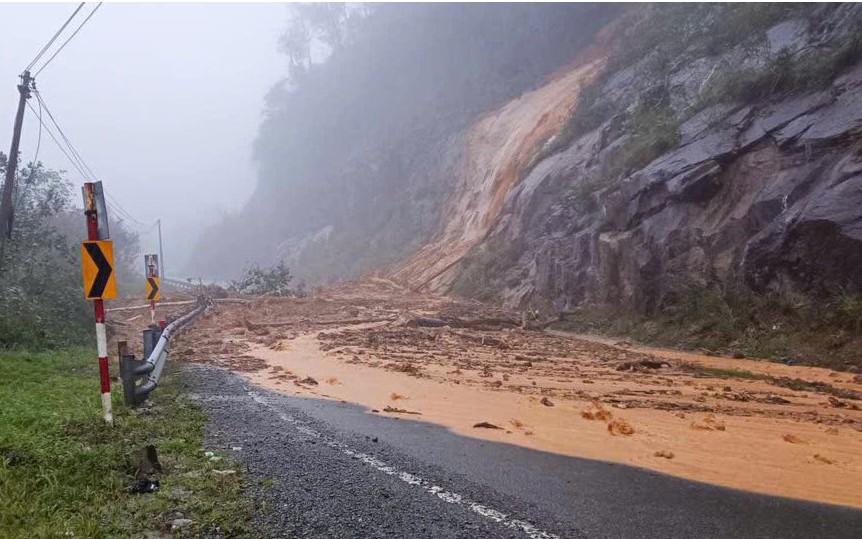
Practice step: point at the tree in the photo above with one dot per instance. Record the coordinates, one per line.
(315, 31)
(295, 42)
(40, 294)
(41, 298)
(273, 281)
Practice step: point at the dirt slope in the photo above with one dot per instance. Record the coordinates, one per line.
(498, 147)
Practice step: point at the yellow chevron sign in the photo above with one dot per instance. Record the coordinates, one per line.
(97, 266)
(154, 288)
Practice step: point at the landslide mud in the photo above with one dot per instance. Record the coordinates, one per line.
(754, 425)
(499, 146)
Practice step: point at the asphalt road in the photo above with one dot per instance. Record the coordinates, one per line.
(330, 469)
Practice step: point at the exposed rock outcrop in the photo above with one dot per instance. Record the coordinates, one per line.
(765, 195)
(770, 194)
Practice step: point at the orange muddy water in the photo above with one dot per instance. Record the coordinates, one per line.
(765, 427)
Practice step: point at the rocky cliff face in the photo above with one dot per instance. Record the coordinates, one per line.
(762, 194)
(770, 195)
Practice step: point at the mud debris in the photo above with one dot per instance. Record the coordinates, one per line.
(620, 427)
(696, 396)
(792, 439)
(394, 410)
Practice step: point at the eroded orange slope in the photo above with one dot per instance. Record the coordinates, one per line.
(498, 147)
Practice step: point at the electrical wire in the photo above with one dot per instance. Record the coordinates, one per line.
(59, 145)
(86, 172)
(68, 40)
(120, 209)
(39, 140)
(82, 163)
(56, 35)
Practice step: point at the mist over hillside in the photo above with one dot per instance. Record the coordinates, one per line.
(352, 146)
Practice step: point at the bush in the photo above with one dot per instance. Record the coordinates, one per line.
(581, 198)
(274, 281)
(41, 294)
(812, 71)
(653, 131)
(666, 31)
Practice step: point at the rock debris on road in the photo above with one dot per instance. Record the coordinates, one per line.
(328, 469)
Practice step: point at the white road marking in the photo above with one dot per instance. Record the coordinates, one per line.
(501, 518)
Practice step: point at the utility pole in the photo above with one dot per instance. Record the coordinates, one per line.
(161, 254)
(6, 210)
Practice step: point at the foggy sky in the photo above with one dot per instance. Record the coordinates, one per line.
(163, 102)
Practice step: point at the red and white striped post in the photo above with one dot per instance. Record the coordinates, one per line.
(99, 307)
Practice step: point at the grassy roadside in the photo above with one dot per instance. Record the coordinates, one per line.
(63, 473)
(823, 338)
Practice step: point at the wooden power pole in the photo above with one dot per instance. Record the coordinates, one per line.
(6, 210)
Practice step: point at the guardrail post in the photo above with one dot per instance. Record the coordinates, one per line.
(151, 338)
(128, 364)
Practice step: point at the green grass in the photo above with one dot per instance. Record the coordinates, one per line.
(773, 326)
(72, 472)
(713, 372)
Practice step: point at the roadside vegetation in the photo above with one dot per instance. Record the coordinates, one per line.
(272, 281)
(738, 322)
(42, 301)
(64, 473)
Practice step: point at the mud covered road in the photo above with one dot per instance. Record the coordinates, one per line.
(323, 468)
(542, 431)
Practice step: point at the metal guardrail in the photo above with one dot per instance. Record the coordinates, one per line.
(182, 285)
(156, 349)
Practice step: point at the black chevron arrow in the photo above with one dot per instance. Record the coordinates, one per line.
(154, 288)
(104, 273)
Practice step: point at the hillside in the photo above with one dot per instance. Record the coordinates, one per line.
(689, 174)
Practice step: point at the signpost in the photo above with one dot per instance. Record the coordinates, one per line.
(97, 267)
(154, 283)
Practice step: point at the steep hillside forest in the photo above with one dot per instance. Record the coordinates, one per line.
(687, 174)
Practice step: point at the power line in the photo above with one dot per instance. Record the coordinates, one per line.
(129, 220)
(68, 40)
(39, 140)
(82, 165)
(47, 45)
(92, 176)
(59, 145)
(83, 170)
(122, 210)
(20, 192)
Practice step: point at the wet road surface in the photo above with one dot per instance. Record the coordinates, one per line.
(330, 469)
